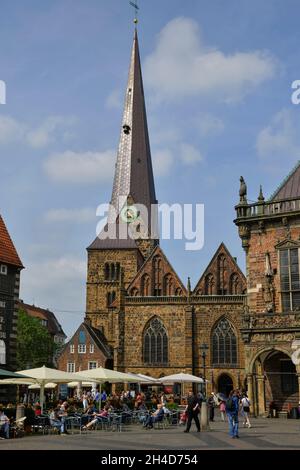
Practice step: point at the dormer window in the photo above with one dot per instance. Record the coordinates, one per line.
(3, 269)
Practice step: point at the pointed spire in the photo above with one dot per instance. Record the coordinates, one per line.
(260, 196)
(134, 175)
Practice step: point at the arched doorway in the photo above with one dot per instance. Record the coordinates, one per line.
(225, 384)
(275, 382)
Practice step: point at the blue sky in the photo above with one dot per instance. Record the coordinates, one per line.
(217, 79)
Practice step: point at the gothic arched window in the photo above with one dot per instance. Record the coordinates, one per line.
(146, 285)
(224, 344)
(168, 285)
(155, 343)
(234, 284)
(134, 292)
(178, 292)
(209, 284)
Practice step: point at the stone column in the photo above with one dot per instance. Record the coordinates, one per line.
(261, 395)
(204, 420)
(250, 392)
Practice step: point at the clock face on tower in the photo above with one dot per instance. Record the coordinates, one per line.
(129, 214)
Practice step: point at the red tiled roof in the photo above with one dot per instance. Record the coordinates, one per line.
(53, 326)
(8, 253)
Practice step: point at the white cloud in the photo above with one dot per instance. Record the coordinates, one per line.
(42, 283)
(53, 128)
(114, 100)
(83, 168)
(162, 162)
(78, 216)
(189, 155)
(50, 130)
(209, 125)
(182, 65)
(281, 138)
(10, 130)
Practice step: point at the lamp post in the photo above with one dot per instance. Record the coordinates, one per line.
(204, 414)
(204, 348)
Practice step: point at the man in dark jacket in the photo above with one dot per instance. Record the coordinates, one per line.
(192, 410)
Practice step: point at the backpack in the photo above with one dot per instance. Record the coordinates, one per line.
(230, 404)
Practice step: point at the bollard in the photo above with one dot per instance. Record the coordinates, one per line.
(204, 417)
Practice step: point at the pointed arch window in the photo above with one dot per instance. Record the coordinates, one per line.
(134, 292)
(168, 285)
(234, 284)
(146, 285)
(209, 284)
(155, 343)
(178, 292)
(224, 344)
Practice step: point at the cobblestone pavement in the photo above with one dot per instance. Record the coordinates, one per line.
(264, 434)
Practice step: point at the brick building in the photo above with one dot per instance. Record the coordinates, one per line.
(87, 349)
(49, 321)
(152, 323)
(270, 234)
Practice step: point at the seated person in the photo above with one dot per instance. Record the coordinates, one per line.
(98, 417)
(155, 417)
(55, 421)
(4, 425)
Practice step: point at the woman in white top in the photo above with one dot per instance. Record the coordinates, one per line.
(245, 403)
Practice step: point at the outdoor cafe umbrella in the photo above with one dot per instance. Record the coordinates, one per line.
(7, 374)
(42, 376)
(181, 378)
(102, 375)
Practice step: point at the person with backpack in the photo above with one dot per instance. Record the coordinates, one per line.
(232, 411)
(245, 404)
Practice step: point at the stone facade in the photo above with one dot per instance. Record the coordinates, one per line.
(270, 231)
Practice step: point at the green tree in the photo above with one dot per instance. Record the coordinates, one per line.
(35, 346)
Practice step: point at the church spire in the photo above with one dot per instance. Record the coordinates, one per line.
(133, 178)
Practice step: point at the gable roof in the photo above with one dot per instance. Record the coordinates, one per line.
(96, 335)
(290, 186)
(53, 326)
(222, 247)
(8, 252)
(157, 249)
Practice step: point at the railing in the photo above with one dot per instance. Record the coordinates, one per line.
(271, 208)
(156, 300)
(206, 299)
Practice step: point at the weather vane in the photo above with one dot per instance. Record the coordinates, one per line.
(136, 8)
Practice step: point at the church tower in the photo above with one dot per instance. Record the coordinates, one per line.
(130, 235)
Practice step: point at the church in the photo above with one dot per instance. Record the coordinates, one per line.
(234, 331)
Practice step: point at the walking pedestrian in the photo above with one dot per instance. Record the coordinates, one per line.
(192, 410)
(245, 403)
(223, 410)
(232, 410)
